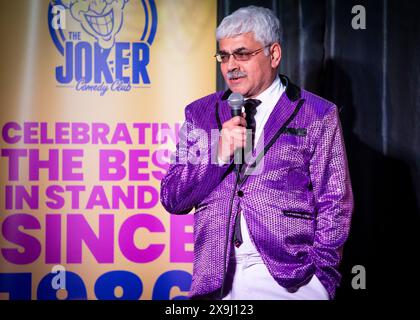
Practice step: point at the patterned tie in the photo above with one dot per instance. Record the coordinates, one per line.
(250, 110)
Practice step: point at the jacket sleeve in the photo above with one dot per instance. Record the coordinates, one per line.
(194, 170)
(334, 200)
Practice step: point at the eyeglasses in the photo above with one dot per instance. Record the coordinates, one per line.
(224, 57)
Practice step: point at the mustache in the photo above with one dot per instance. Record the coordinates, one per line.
(236, 74)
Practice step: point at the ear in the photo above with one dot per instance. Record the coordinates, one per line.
(275, 55)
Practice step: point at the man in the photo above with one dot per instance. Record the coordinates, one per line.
(273, 228)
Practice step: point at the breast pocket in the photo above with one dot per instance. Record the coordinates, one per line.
(289, 151)
(200, 207)
(298, 214)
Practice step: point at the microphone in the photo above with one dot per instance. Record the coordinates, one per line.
(236, 101)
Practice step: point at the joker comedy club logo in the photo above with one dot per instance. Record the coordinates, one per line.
(86, 34)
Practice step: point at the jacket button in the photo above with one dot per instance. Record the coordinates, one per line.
(240, 193)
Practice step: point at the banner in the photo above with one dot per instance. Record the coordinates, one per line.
(92, 98)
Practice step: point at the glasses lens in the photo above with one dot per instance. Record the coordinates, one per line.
(242, 56)
(222, 57)
(225, 58)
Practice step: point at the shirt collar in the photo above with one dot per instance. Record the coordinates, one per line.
(271, 91)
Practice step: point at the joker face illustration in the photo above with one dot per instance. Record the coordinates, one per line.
(102, 19)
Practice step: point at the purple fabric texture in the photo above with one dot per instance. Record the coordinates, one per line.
(298, 207)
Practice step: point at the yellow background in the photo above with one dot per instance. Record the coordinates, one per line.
(181, 69)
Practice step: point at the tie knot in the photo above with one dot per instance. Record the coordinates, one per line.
(250, 110)
(251, 104)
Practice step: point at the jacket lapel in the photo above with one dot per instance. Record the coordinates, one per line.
(281, 112)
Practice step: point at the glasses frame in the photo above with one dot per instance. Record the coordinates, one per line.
(248, 54)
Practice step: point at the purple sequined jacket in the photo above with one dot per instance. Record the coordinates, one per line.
(298, 207)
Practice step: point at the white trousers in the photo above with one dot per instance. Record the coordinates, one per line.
(249, 279)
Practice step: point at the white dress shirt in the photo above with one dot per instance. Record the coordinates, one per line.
(269, 98)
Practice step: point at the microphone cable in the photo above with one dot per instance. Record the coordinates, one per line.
(227, 230)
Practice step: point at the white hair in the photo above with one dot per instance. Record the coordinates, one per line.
(261, 21)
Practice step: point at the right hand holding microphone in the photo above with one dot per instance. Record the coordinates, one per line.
(232, 137)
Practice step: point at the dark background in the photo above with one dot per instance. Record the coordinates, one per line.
(372, 75)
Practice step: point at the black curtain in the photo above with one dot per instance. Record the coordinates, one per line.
(373, 76)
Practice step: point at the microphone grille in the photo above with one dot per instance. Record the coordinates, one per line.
(235, 100)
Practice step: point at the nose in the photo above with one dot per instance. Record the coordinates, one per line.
(232, 64)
